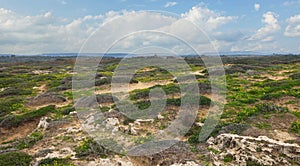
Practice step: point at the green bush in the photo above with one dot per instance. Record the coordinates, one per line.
(139, 94)
(228, 158)
(295, 76)
(270, 108)
(9, 105)
(252, 163)
(263, 125)
(30, 140)
(106, 98)
(90, 147)
(265, 108)
(16, 120)
(143, 104)
(102, 81)
(144, 93)
(295, 127)
(143, 139)
(7, 82)
(67, 110)
(174, 102)
(15, 92)
(55, 162)
(246, 113)
(15, 159)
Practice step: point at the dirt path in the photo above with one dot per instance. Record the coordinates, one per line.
(140, 85)
(41, 88)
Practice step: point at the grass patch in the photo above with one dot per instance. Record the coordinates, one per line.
(15, 159)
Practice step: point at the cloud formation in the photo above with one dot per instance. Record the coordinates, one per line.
(207, 19)
(271, 26)
(293, 28)
(257, 6)
(170, 4)
(45, 32)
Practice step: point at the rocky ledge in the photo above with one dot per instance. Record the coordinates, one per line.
(243, 150)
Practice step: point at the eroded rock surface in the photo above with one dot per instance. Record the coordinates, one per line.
(242, 150)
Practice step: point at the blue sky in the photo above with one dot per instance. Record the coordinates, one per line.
(34, 26)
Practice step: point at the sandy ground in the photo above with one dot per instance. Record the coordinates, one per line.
(140, 85)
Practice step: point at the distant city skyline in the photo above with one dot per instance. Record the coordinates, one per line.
(53, 26)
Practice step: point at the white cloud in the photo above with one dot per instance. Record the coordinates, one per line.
(257, 6)
(293, 27)
(170, 4)
(42, 33)
(205, 18)
(264, 39)
(269, 29)
(47, 33)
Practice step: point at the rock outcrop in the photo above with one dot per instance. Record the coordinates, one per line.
(243, 150)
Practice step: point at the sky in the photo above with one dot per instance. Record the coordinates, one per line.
(55, 26)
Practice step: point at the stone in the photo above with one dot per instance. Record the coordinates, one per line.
(111, 122)
(159, 116)
(132, 129)
(140, 121)
(44, 123)
(72, 130)
(188, 163)
(261, 150)
(111, 162)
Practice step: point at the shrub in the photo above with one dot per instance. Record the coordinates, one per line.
(143, 139)
(55, 162)
(245, 113)
(295, 127)
(14, 121)
(228, 158)
(102, 81)
(105, 98)
(143, 104)
(270, 108)
(90, 147)
(15, 92)
(175, 102)
(252, 163)
(139, 94)
(9, 105)
(265, 108)
(297, 114)
(104, 109)
(30, 140)
(67, 111)
(295, 76)
(15, 158)
(263, 125)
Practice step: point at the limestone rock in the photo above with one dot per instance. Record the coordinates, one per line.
(238, 150)
(44, 123)
(111, 162)
(188, 163)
